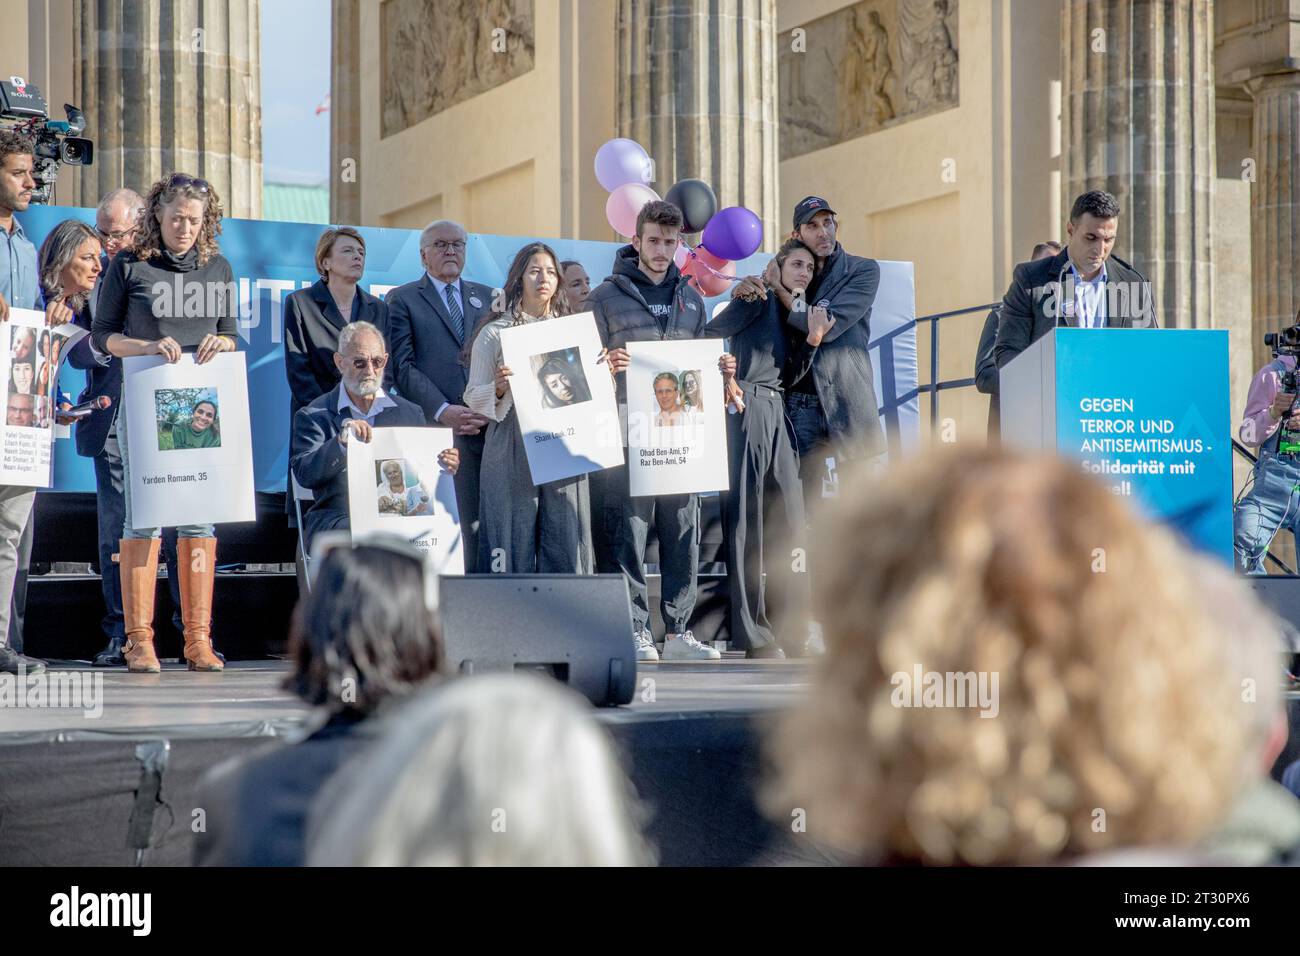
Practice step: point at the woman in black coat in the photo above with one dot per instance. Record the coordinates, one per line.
(313, 317)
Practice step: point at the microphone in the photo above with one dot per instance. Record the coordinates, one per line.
(98, 403)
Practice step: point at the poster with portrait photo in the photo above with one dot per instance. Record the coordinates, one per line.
(563, 397)
(396, 485)
(31, 353)
(191, 445)
(676, 425)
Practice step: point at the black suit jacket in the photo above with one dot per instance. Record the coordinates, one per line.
(312, 323)
(91, 432)
(425, 347)
(986, 370)
(320, 463)
(1041, 297)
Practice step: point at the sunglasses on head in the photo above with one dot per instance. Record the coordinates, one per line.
(182, 181)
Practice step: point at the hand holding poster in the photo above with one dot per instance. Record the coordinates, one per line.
(189, 440)
(676, 429)
(32, 353)
(563, 397)
(395, 484)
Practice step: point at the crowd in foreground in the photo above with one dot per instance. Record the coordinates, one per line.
(1137, 707)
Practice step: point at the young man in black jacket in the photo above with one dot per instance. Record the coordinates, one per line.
(648, 299)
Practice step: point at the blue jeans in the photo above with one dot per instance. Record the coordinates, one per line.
(110, 509)
(128, 531)
(1272, 503)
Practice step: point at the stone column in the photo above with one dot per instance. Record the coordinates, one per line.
(345, 113)
(1275, 205)
(697, 87)
(171, 85)
(1137, 119)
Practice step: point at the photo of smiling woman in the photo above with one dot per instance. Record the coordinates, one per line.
(201, 430)
(543, 529)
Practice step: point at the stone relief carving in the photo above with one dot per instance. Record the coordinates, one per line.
(865, 67)
(437, 53)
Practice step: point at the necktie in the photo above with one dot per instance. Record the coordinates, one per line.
(457, 316)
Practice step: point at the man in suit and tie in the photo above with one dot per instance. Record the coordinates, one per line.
(429, 321)
(95, 435)
(1083, 286)
(348, 412)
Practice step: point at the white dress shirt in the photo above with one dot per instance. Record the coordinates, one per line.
(441, 288)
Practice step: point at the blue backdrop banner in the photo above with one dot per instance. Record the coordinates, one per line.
(272, 259)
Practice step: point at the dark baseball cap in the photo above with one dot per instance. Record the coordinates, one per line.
(809, 207)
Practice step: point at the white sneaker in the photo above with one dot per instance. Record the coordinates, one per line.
(684, 647)
(645, 647)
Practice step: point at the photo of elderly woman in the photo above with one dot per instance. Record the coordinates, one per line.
(561, 377)
(400, 491)
(187, 418)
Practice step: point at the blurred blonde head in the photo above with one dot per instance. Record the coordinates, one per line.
(496, 770)
(1121, 719)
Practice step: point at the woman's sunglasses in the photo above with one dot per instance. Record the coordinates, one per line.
(182, 181)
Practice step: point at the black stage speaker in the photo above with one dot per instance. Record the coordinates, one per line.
(578, 628)
(1281, 593)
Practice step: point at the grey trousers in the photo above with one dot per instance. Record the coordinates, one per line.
(15, 511)
(763, 519)
(526, 528)
(676, 519)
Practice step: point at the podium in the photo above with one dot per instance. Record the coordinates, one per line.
(1144, 410)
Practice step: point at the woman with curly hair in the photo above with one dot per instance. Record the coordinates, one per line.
(1019, 670)
(147, 306)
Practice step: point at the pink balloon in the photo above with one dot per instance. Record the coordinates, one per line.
(624, 204)
(709, 274)
(679, 257)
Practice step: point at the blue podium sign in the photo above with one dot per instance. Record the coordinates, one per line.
(1145, 410)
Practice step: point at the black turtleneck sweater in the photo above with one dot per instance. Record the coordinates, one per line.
(144, 300)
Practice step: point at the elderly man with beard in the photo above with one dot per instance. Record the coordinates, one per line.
(349, 411)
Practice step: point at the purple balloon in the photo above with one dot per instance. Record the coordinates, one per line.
(622, 161)
(733, 233)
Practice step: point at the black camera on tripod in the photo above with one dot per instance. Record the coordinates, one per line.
(23, 109)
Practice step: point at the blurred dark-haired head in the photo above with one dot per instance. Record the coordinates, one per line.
(365, 632)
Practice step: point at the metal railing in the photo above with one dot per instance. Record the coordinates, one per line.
(935, 386)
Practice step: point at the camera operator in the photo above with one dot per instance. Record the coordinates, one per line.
(1271, 423)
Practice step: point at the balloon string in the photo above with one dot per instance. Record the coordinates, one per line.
(690, 254)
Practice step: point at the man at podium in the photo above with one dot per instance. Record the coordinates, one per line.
(1083, 286)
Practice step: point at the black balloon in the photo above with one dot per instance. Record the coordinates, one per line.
(695, 199)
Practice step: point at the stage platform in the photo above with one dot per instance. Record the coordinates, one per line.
(79, 791)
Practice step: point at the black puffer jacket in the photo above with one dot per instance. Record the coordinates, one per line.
(623, 316)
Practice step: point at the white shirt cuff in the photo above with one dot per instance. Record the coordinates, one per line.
(103, 358)
(437, 417)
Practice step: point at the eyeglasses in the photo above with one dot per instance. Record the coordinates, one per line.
(116, 235)
(376, 363)
(455, 245)
(181, 180)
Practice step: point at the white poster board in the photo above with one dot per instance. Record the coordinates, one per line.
(29, 372)
(564, 397)
(190, 442)
(676, 424)
(396, 485)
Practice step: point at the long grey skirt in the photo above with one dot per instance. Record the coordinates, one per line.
(526, 528)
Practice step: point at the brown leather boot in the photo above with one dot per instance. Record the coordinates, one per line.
(196, 565)
(138, 567)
